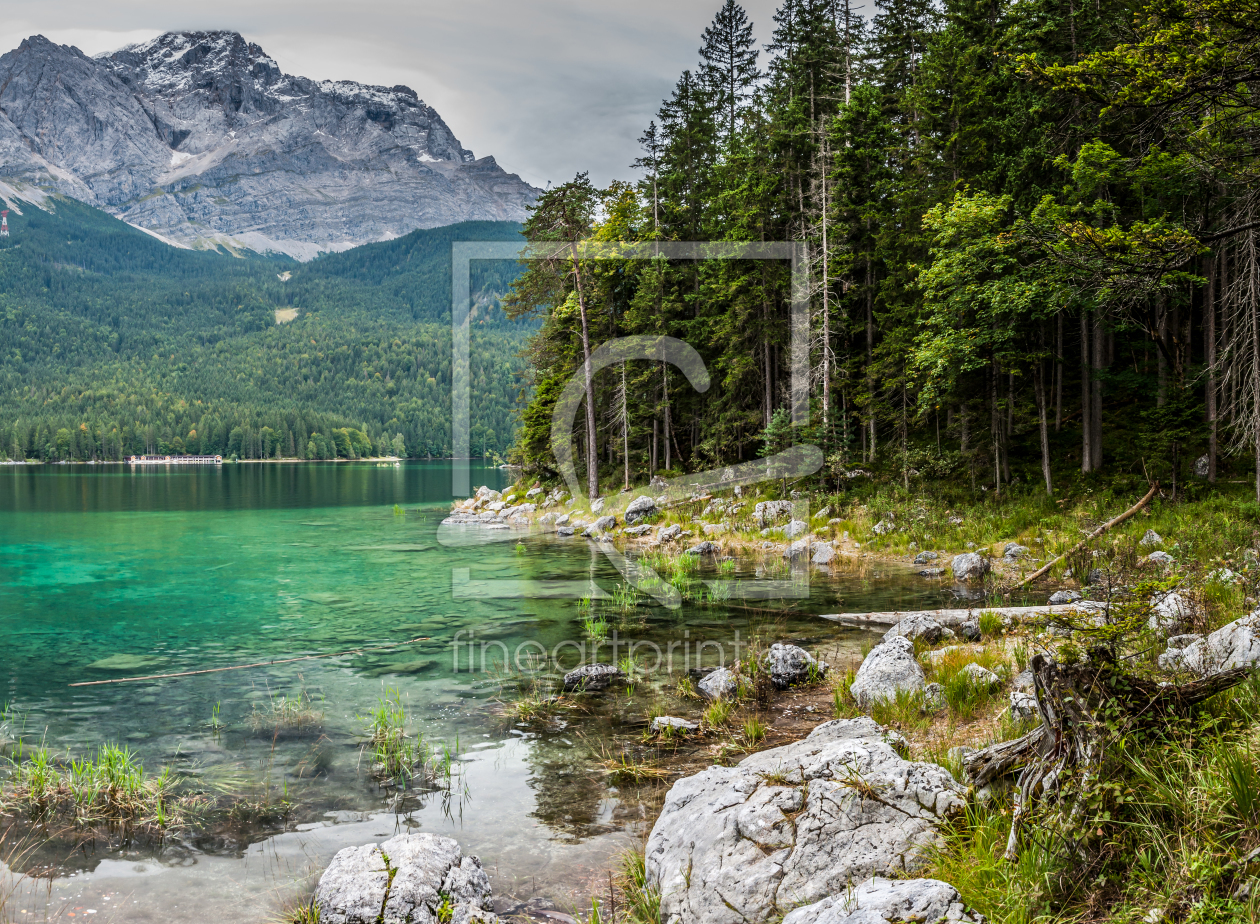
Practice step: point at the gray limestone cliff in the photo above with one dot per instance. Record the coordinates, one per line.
(201, 138)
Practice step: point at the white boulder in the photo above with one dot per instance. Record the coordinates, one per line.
(969, 566)
(889, 668)
(406, 878)
(795, 824)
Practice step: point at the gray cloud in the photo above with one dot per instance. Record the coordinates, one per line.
(549, 87)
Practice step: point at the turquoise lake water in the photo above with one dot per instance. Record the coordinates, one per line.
(110, 572)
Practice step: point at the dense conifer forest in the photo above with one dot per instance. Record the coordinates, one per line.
(1033, 237)
(113, 343)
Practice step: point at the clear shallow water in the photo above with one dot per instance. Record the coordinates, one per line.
(107, 572)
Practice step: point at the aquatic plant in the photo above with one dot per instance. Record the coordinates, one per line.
(287, 714)
(397, 758)
(718, 713)
(754, 730)
(627, 769)
(595, 626)
(109, 786)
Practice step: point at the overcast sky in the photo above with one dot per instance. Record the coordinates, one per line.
(549, 87)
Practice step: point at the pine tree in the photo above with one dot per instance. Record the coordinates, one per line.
(729, 65)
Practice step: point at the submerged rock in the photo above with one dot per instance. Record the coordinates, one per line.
(591, 678)
(405, 879)
(889, 667)
(740, 844)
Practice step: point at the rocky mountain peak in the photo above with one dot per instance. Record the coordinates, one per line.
(202, 137)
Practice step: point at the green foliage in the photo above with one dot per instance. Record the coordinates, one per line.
(113, 343)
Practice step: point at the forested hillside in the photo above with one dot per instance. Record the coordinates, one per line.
(1033, 232)
(113, 343)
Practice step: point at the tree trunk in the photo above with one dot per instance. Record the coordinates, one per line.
(1209, 350)
(1095, 406)
(1058, 375)
(1087, 446)
(592, 463)
(1039, 385)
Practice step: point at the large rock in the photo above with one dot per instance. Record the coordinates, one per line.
(1234, 645)
(824, 554)
(888, 668)
(790, 664)
(1168, 610)
(591, 678)
(604, 524)
(641, 508)
(880, 900)
(767, 512)
(668, 533)
(788, 826)
(919, 625)
(1060, 597)
(1014, 551)
(1150, 537)
(719, 684)
(405, 879)
(969, 566)
(795, 528)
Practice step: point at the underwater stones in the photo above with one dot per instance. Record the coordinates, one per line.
(737, 844)
(889, 668)
(641, 508)
(969, 566)
(407, 878)
(719, 684)
(124, 662)
(791, 664)
(591, 678)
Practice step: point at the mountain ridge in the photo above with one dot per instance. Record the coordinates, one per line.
(201, 138)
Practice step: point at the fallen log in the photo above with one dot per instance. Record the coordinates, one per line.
(1086, 541)
(956, 617)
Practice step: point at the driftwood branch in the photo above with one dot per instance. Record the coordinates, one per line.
(1088, 539)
